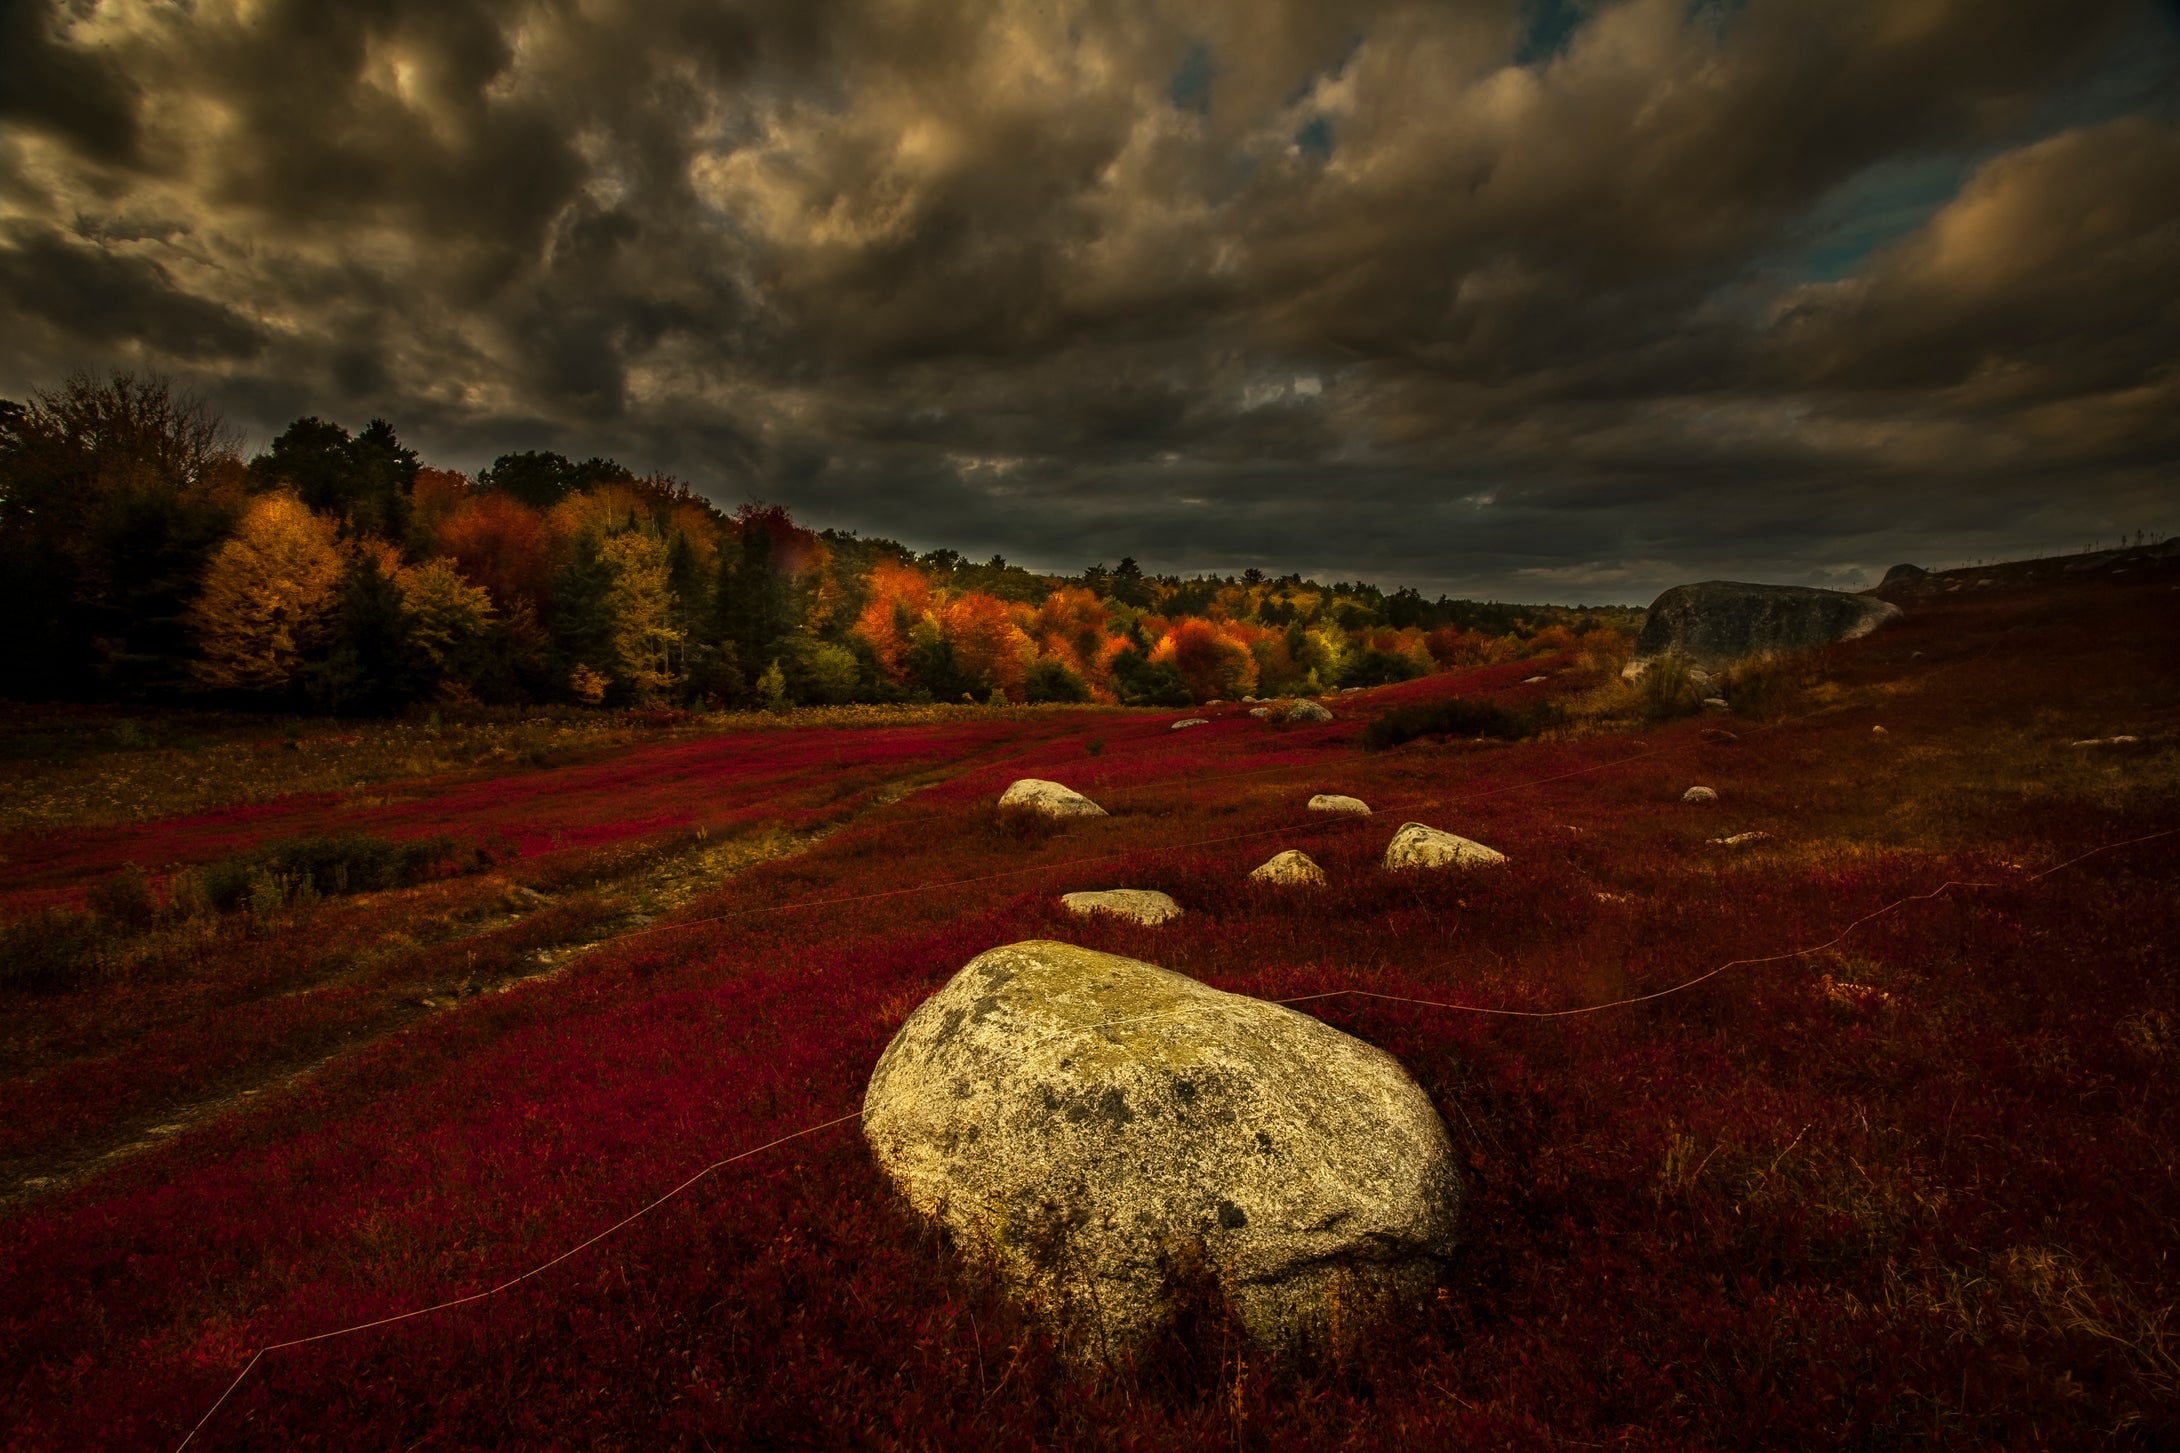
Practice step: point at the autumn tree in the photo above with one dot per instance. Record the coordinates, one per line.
(642, 640)
(268, 597)
(114, 492)
(362, 481)
(1215, 665)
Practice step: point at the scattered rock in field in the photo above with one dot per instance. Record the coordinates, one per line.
(1699, 794)
(1702, 680)
(1292, 867)
(1306, 711)
(1715, 703)
(1050, 798)
(1739, 839)
(2106, 741)
(1419, 846)
(1861, 998)
(1261, 712)
(1719, 622)
(1247, 699)
(1720, 735)
(1533, 680)
(1878, 731)
(1140, 904)
(1981, 583)
(1189, 721)
(1335, 802)
(1078, 1121)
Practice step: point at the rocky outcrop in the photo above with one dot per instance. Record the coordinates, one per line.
(1418, 846)
(1084, 1124)
(1720, 622)
(1140, 904)
(1035, 794)
(1336, 802)
(1292, 868)
(1900, 573)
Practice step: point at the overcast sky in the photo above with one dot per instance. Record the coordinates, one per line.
(1535, 299)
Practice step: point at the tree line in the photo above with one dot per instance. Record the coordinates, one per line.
(143, 558)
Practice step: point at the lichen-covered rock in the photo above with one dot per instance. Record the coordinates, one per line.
(1140, 904)
(1304, 712)
(1419, 846)
(1083, 1123)
(1699, 794)
(1260, 712)
(1035, 794)
(1292, 867)
(1720, 622)
(1337, 802)
(1189, 721)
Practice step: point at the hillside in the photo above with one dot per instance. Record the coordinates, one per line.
(1857, 1134)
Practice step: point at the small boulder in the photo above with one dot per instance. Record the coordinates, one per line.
(1878, 731)
(1140, 904)
(1418, 846)
(1083, 1124)
(1035, 794)
(1719, 736)
(1189, 721)
(1699, 794)
(1533, 680)
(1335, 802)
(1306, 711)
(1260, 712)
(1292, 868)
(1739, 839)
(1715, 703)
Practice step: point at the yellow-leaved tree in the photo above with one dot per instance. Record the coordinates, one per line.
(268, 596)
(447, 613)
(640, 603)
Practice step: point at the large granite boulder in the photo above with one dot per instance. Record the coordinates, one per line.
(1035, 794)
(1720, 622)
(1086, 1124)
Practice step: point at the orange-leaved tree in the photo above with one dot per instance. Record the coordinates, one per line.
(1215, 664)
(991, 652)
(268, 596)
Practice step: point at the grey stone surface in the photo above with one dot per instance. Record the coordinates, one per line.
(1306, 711)
(1049, 798)
(1082, 1123)
(1292, 867)
(1699, 794)
(1339, 802)
(1720, 622)
(1141, 904)
(1899, 573)
(1189, 721)
(1419, 846)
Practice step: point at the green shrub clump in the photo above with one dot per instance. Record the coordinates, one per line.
(1460, 717)
(321, 867)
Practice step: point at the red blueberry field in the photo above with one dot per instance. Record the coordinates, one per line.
(1862, 1132)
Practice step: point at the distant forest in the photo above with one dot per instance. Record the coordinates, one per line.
(143, 558)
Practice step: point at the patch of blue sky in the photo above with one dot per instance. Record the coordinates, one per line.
(1190, 88)
(1889, 200)
(1314, 139)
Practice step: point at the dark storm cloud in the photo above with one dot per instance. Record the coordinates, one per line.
(1495, 297)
